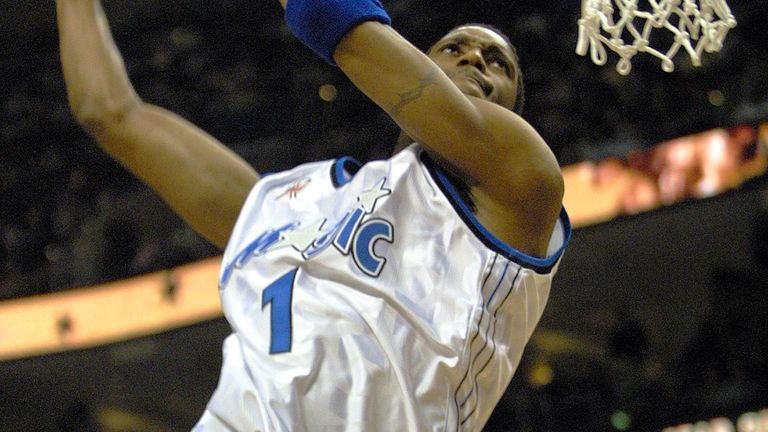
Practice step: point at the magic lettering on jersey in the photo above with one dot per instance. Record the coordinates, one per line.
(355, 235)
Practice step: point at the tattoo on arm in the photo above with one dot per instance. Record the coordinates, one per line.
(409, 96)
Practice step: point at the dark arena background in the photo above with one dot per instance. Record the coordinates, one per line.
(657, 320)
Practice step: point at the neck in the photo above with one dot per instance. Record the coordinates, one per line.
(403, 141)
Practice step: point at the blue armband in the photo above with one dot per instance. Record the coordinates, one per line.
(320, 24)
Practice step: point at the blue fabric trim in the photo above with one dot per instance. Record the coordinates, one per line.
(343, 169)
(540, 265)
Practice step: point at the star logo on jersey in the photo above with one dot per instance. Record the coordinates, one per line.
(299, 238)
(368, 198)
(294, 189)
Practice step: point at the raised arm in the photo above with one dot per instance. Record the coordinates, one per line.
(200, 178)
(491, 145)
(514, 176)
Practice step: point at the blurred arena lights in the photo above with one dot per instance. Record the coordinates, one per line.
(328, 92)
(695, 166)
(540, 375)
(747, 422)
(111, 312)
(621, 420)
(716, 98)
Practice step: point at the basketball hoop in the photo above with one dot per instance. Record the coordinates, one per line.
(693, 25)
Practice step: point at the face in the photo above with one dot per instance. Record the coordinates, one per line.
(480, 62)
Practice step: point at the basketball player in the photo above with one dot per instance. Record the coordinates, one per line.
(395, 295)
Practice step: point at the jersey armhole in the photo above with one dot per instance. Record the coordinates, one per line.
(558, 241)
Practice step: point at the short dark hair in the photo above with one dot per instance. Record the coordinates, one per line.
(520, 96)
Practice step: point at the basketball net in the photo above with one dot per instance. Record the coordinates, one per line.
(693, 25)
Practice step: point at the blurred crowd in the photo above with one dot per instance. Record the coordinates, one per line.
(80, 225)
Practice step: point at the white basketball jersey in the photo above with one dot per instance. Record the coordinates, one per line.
(371, 299)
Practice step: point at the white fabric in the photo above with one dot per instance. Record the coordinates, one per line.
(395, 314)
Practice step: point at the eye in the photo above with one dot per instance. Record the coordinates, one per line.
(451, 48)
(499, 63)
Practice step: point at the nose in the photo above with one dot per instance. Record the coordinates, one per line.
(473, 57)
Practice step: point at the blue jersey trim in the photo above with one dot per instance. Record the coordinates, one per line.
(539, 265)
(343, 169)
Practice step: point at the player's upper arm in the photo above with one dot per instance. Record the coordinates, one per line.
(514, 162)
(201, 179)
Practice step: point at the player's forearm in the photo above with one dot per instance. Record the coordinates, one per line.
(97, 82)
(416, 94)
(200, 178)
(393, 73)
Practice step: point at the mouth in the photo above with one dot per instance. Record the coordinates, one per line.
(484, 85)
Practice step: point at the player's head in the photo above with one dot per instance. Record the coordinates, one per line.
(482, 62)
